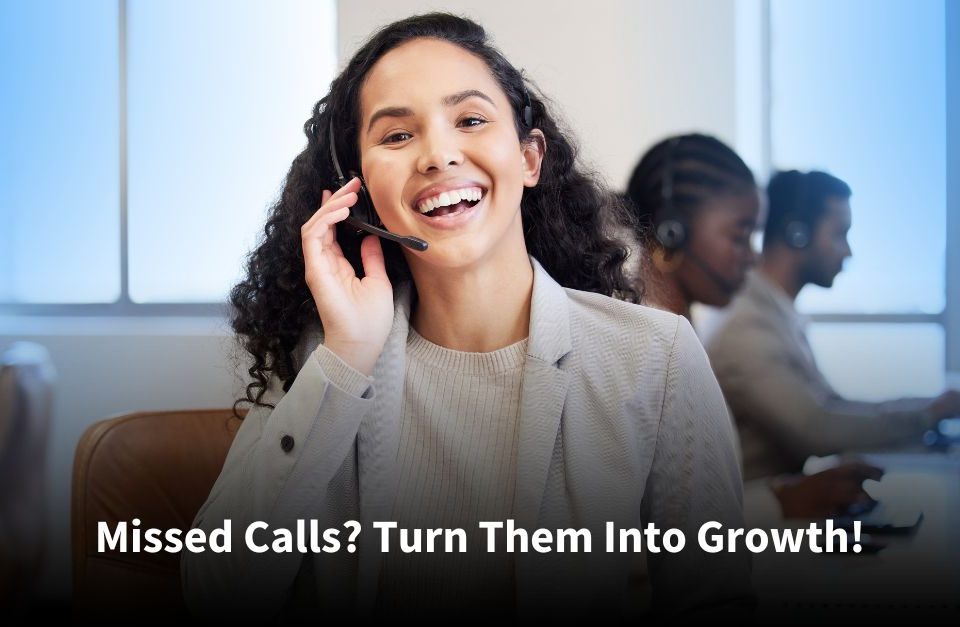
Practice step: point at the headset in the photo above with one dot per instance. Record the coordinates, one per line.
(363, 216)
(796, 232)
(673, 231)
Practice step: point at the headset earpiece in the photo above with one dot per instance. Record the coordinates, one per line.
(363, 208)
(797, 234)
(669, 226)
(671, 233)
(528, 114)
(526, 110)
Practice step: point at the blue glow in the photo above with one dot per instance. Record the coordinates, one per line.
(59, 156)
(859, 90)
(218, 94)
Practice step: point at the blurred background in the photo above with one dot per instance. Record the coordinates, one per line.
(141, 143)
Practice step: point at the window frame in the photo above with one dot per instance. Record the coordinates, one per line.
(951, 314)
(123, 306)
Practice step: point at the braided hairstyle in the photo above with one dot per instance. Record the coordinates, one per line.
(570, 220)
(700, 166)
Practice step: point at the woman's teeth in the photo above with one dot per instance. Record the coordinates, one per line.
(447, 199)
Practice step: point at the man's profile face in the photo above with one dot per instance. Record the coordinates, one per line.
(829, 247)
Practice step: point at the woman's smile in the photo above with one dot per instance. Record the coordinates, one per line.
(445, 196)
(450, 204)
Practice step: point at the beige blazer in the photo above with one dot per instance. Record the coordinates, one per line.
(621, 420)
(783, 406)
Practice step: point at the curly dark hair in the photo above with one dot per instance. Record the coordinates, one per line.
(571, 222)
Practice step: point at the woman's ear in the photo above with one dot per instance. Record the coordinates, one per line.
(666, 261)
(531, 155)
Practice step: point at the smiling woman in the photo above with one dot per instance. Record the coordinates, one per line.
(490, 377)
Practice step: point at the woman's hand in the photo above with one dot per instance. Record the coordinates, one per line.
(826, 493)
(356, 313)
(947, 405)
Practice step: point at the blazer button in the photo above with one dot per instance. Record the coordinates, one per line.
(286, 443)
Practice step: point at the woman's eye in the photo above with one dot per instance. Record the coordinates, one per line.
(471, 121)
(396, 138)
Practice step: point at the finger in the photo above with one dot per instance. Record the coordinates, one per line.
(353, 185)
(319, 238)
(860, 470)
(331, 205)
(334, 244)
(371, 254)
(322, 231)
(328, 237)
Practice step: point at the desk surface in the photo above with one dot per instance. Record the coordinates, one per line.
(915, 576)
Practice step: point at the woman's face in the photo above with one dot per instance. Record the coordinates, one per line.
(440, 153)
(719, 253)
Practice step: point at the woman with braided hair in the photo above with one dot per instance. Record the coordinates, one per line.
(698, 204)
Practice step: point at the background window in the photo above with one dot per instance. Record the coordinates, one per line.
(877, 361)
(59, 152)
(215, 93)
(218, 94)
(858, 89)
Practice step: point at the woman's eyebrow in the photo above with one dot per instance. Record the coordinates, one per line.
(460, 96)
(389, 112)
(448, 101)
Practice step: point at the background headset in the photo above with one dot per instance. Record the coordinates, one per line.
(796, 232)
(363, 217)
(669, 226)
(673, 231)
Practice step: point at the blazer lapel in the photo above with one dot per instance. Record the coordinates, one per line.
(542, 396)
(543, 391)
(377, 443)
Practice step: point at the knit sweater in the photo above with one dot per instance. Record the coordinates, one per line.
(457, 466)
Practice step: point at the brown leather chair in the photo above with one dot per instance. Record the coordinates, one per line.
(155, 466)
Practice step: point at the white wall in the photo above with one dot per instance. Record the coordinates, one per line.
(624, 74)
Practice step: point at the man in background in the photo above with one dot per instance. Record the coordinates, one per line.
(784, 408)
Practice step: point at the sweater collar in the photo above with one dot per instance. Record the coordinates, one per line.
(549, 337)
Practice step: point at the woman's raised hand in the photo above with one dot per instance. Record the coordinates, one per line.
(356, 313)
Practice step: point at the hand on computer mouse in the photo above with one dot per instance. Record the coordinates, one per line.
(826, 493)
(946, 405)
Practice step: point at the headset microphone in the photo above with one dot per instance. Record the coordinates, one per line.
(362, 214)
(723, 283)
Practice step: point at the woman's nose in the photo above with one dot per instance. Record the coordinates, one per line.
(439, 151)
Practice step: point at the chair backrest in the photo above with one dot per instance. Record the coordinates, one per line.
(27, 381)
(158, 467)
